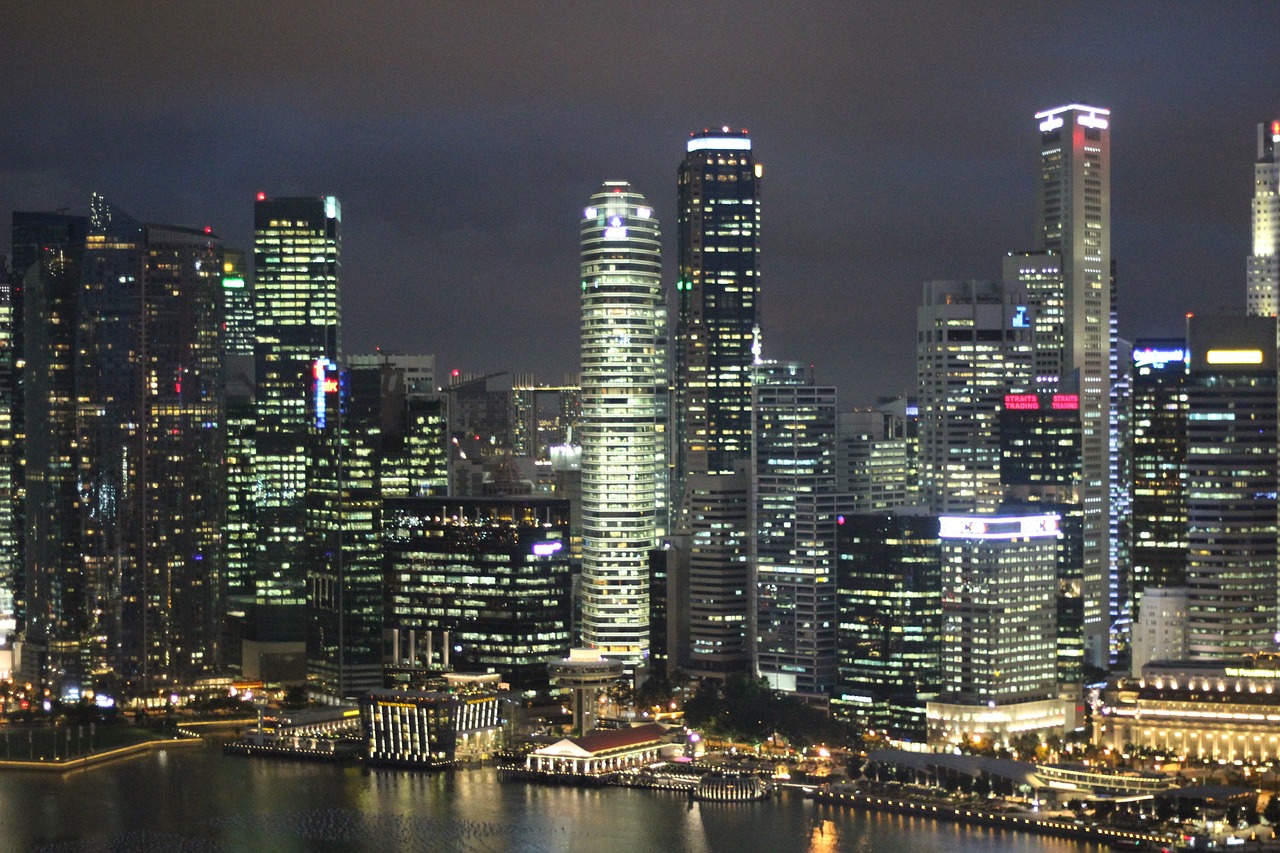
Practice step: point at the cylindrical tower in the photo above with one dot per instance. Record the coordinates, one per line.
(623, 452)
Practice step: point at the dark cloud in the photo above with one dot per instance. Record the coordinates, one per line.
(897, 139)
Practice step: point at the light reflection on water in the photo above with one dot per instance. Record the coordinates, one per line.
(204, 802)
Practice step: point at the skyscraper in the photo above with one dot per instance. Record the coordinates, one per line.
(998, 582)
(793, 524)
(1158, 436)
(297, 252)
(1263, 295)
(889, 645)
(623, 453)
(125, 461)
(973, 347)
(48, 255)
(717, 294)
(1073, 203)
(1232, 479)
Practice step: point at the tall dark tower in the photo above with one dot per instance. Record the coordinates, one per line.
(296, 253)
(48, 253)
(717, 325)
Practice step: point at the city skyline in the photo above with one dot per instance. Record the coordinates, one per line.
(459, 139)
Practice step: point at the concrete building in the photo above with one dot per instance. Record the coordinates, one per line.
(998, 627)
(1160, 631)
(1263, 295)
(1232, 479)
(973, 346)
(1073, 220)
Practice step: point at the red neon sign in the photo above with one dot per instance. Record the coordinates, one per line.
(1066, 401)
(331, 386)
(1021, 402)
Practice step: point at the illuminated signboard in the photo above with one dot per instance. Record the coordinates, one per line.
(715, 143)
(616, 230)
(998, 527)
(1021, 320)
(1234, 356)
(324, 382)
(1157, 358)
(1066, 402)
(546, 549)
(232, 282)
(1021, 402)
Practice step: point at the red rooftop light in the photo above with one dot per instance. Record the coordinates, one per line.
(262, 196)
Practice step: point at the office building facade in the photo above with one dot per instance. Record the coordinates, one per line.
(889, 645)
(492, 575)
(717, 297)
(1232, 479)
(1073, 204)
(794, 512)
(1158, 438)
(297, 314)
(1263, 294)
(624, 457)
(974, 345)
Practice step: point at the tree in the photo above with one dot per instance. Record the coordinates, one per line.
(1271, 813)
(295, 698)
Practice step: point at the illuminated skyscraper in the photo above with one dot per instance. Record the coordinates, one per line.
(998, 582)
(718, 289)
(238, 388)
(149, 448)
(793, 543)
(973, 347)
(297, 250)
(1158, 436)
(48, 254)
(623, 452)
(1232, 479)
(1264, 263)
(1074, 221)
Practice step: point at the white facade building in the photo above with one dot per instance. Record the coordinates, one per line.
(1264, 262)
(622, 435)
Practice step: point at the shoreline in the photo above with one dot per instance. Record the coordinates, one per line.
(95, 758)
(970, 816)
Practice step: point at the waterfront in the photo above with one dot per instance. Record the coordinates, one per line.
(200, 801)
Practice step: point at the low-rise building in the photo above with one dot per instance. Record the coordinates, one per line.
(599, 752)
(1226, 710)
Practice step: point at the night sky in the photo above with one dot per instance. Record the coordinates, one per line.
(463, 138)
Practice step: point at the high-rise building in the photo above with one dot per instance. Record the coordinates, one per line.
(623, 450)
(794, 515)
(1073, 203)
(717, 636)
(974, 345)
(1263, 296)
(1158, 438)
(1040, 473)
(48, 256)
(238, 393)
(1039, 275)
(297, 253)
(149, 448)
(717, 295)
(1232, 479)
(998, 596)
(376, 436)
(488, 576)
(889, 646)
(873, 461)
